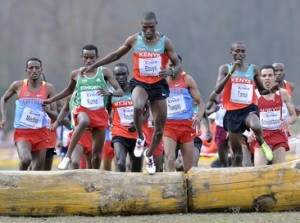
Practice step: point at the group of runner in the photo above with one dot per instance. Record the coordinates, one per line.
(156, 114)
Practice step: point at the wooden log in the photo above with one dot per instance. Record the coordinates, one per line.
(95, 193)
(265, 188)
(91, 193)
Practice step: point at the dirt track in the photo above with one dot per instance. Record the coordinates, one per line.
(288, 217)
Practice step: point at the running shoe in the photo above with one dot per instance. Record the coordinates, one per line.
(149, 163)
(139, 147)
(63, 165)
(267, 151)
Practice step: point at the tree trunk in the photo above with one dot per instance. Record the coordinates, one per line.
(96, 192)
(90, 192)
(265, 188)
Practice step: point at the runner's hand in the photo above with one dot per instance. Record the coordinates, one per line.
(284, 126)
(53, 126)
(132, 129)
(46, 107)
(164, 73)
(103, 92)
(2, 124)
(209, 136)
(84, 70)
(196, 121)
(46, 102)
(235, 63)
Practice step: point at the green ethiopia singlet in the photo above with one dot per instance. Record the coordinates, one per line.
(87, 88)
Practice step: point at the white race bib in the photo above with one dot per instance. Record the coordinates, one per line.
(32, 118)
(241, 93)
(149, 66)
(91, 100)
(270, 119)
(176, 105)
(126, 115)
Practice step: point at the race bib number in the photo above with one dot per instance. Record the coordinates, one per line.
(176, 105)
(91, 100)
(241, 93)
(126, 115)
(270, 119)
(149, 66)
(32, 118)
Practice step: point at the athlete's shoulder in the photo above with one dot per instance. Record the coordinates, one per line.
(225, 65)
(251, 65)
(17, 84)
(106, 71)
(49, 85)
(186, 76)
(224, 68)
(188, 79)
(75, 73)
(132, 39)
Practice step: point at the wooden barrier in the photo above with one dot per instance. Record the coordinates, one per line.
(265, 188)
(91, 193)
(96, 192)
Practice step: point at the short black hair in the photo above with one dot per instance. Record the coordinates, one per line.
(276, 64)
(34, 59)
(237, 43)
(120, 65)
(149, 15)
(90, 47)
(267, 66)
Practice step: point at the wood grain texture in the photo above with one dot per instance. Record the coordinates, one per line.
(97, 193)
(90, 192)
(265, 188)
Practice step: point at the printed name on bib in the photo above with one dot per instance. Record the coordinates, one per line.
(126, 115)
(241, 93)
(32, 118)
(176, 105)
(91, 100)
(149, 66)
(270, 119)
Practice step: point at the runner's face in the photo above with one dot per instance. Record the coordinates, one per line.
(121, 74)
(149, 28)
(238, 52)
(268, 77)
(279, 72)
(34, 70)
(89, 57)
